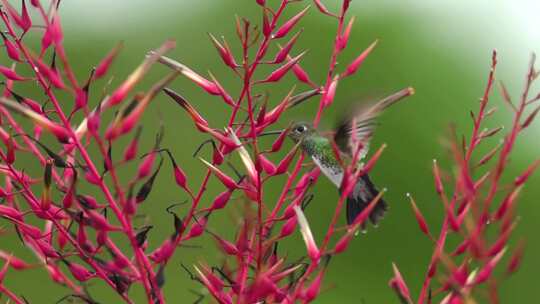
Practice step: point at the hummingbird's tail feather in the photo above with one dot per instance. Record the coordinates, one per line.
(364, 192)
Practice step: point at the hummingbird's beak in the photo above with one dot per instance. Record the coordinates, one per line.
(276, 132)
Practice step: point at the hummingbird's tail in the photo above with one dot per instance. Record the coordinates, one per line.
(364, 192)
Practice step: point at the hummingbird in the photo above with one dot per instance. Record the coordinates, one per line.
(355, 129)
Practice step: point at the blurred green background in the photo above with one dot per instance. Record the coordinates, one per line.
(441, 48)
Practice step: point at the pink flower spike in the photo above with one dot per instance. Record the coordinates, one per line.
(437, 176)
(102, 237)
(131, 149)
(313, 290)
(221, 200)
(47, 249)
(419, 217)
(307, 180)
(330, 93)
(400, 287)
(123, 90)
(99, 222)
(288, 227)
(284, 51)
(202, 82)
(531, 116)
(281, 71)
(94, 121)
(207, 85)
(283, 274)
(286, 161)
(344, 37)
(516, 258)
(353, 66)
(197, 228)
(343, 243)
(105, 64)
(226, 180)
(273, 115)
(51, 74)
(6, 137)
(486, 271)
(146, 165)
(120, 94)
(213, 283)
(4, 269)
(53, 33)
(92, 178)
(226, 246)
(14, 15)
(81, 99)
(180, 100)
(14, 262)
(82, 239)
(302, 75)
(11, 49)
(374, 158)
(460, 249)
(225, 140)
(501, 241)
(246, 158)
(11, 74)
(287, 26)
(321, 7)
(260, 2)
(180, 177)
(276, 145)
(29, 230)
(88, 202)
(163, 252)
(25, 17)
(80, 273)
(266, 27)
(224, 51)
(507, 203)
(224, 95)
(345, 5)
(313, 251)
(266, 164)
(60, 132)
(10, 212)
(521, 179)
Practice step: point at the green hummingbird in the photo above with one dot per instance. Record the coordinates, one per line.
(356, 129)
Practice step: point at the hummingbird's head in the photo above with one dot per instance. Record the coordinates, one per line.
(300, 130)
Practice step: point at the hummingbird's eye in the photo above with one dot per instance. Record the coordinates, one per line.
(301, 129)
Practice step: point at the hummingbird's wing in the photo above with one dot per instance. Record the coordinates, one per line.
(358, 127)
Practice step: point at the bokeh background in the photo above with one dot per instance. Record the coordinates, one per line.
(441, 48)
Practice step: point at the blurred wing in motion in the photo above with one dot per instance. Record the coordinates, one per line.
(358, 127)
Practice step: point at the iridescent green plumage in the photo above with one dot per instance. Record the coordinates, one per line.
(322, 147)
(352, 133)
